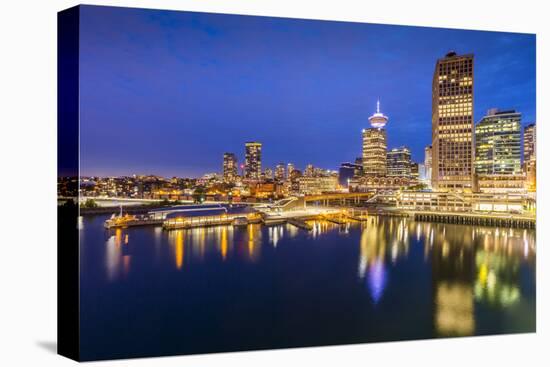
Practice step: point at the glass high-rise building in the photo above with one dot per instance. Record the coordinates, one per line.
(253, 161)
(452, 123)
(530, 156)
(399, 162)
(229, 167)
(529, 142)
(375, 145)
(498, 143)
(428, 165)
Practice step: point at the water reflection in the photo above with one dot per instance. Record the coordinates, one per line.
(393, 278)
(275, 233)
(377, 250)
(467, 266)
(117, 255)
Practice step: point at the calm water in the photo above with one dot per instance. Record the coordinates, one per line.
(146, 291)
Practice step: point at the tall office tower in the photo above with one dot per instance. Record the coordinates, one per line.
(253, 161)
(399, 162)
(375, 145)
(280, 172)
(268, 174)
(289, 169)
(529, 142)
(415, 170)
(229, 167)
(452, 123)
(422, 177)
(428, 165)
(530, 156)
(498, 143)
(309, 171)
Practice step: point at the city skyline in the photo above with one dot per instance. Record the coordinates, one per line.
(333, 95)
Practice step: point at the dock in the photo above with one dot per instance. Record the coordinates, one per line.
(131, 222)
(479, 219)
(335, 219)
(300, 223)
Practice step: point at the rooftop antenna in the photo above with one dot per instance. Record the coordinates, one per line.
(378, 105)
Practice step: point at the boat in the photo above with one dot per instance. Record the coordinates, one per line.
(240, 221)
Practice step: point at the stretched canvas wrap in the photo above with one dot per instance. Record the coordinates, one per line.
(231, 183)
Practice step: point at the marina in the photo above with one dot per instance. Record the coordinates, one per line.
(207, 215)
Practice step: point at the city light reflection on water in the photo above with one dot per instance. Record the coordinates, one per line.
(420, 279)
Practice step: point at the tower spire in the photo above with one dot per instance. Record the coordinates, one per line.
(378, 119)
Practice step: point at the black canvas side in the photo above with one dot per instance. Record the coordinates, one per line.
(68, 334)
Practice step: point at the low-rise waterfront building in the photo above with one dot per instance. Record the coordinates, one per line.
(434, 201)
(379, 183)
(308, 185)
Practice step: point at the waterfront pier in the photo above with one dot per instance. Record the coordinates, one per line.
(479, 219)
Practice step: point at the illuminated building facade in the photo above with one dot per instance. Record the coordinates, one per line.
(309, 171)
(375, 145)
(422, 176)
(289, 169)
(439, 201)
(452, 123)
(399, 162)
(501, 183)
(308, 185)
(268, 174)
(415, 170)
(498, 143)
(379, 183)
(229, 167)
(530, 156)
(529, 142)
(253, 161)
(280, 172)
(428, 165)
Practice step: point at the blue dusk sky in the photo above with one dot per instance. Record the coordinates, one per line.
(167, 93)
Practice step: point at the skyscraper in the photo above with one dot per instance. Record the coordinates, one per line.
(498, 144)
(309, 171)
(428, 165)
(253, 161)
(529, 142)
(268, 174)
(452, 123)
(530, 156)
(415, 170)
(375, 145)
(280, 172)
(399, 162)
(289, 169)
(229, 167)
